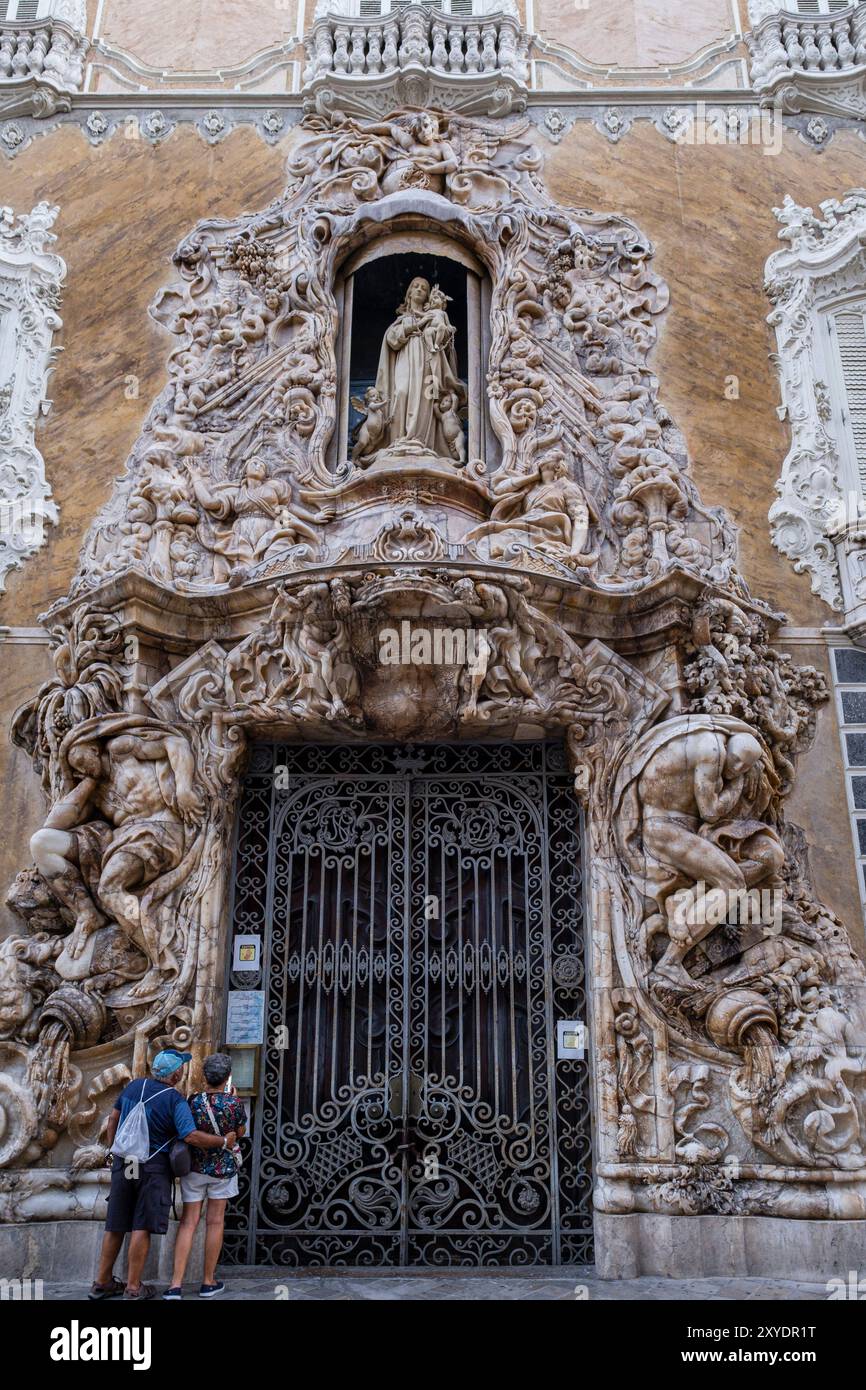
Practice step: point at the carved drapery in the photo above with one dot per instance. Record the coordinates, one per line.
(237, 586)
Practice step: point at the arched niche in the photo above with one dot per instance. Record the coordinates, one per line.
(369, 287)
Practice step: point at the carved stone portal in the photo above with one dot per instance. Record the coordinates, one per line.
(246, 580)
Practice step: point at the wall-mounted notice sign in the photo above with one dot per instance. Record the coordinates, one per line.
(246, 953)
(245, 1020)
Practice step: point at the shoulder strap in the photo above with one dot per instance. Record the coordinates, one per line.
(141, 1099)
(210, 1114)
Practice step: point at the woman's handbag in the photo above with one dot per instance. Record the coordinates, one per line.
(180, 1158)
(236, 1151)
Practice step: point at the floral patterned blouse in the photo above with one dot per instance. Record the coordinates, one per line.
(229, 1113)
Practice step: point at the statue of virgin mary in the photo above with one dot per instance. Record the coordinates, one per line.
(417, 376)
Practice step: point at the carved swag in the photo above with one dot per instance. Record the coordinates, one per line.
(238, 581)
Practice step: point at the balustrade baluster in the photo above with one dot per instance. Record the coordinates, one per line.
(455, 48)
(19, 60)
(842, 41)
(824, 36)
(374, 48)
(341, 48)
(7, 46)
(473, 55)
(357, 49)
(811, 51)
(439, 31)
(488, 48)
(40, 45)
(391, 30)
(793, 47)
(507, 47)
(324, 50)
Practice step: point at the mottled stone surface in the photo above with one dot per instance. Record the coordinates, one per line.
(636, 33)
(197, 36)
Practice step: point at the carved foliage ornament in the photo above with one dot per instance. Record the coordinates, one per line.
(31, 276)
(206, 499)
(407, 595)
(822, 264)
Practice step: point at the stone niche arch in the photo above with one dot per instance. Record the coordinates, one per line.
(235, 586)
(412, 244)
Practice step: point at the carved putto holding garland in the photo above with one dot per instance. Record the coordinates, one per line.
(516, 490)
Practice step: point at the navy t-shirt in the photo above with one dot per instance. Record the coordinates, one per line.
(168, 1114)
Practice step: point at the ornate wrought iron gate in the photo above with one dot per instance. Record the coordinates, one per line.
(422, 923)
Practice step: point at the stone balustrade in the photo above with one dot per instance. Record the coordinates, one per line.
(814, 63)
(41, 63)
(451, 45)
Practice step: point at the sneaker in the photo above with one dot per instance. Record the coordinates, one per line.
(174, 1294)
(211, 1290)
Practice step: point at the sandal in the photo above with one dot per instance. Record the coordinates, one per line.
(145, 1291)
(113, 1290)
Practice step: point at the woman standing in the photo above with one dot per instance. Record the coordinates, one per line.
(213, 1175)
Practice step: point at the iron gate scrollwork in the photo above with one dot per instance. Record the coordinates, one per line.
(421, 915)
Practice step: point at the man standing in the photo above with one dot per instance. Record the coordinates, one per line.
(140, 1196)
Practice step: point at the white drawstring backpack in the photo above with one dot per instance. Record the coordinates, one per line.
(132, 1139)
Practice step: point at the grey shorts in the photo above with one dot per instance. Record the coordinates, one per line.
(196, 1186)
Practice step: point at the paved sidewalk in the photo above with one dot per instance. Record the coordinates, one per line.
(547, 1286)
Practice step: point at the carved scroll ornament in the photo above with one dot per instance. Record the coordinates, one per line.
(245, 582)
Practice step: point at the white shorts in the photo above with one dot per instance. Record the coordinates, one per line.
(194, 1187)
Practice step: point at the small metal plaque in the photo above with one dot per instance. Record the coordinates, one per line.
(570, 1040)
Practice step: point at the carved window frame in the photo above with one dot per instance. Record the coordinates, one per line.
(31, 277)
(822, 499)
(482, 443)
(848, 666)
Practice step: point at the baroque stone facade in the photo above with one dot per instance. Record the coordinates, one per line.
(235, 586)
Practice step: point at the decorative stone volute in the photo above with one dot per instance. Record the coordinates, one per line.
(271, 567)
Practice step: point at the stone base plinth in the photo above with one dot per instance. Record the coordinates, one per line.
(627, 1247)
(68, 1252)
(704, 1247)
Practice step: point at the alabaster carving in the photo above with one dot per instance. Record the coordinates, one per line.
(417, 55)
(544, 511)
(31, 276)
(809, 62)
(42, 60)
(813, 521)
(417, 396)
(254, 578)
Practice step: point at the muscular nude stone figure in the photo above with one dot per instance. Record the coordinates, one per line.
(142, 787)
(703, 779)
